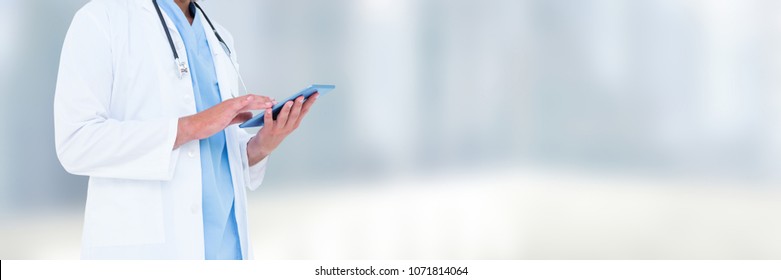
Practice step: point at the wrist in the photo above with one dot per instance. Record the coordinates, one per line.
(184, 132)
(255, 151)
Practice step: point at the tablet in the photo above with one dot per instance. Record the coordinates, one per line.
(306, 93)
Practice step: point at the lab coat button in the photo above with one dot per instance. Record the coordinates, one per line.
(191, 153)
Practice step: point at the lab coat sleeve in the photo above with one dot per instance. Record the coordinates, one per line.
(253, 174)
(88, 140)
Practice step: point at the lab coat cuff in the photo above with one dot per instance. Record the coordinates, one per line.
(172, 154)
(253, 174)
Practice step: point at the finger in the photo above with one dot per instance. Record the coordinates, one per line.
(263, 98)
(257, 106)
(309, 102)
(241, 117)
(268, 122)
(257, 103)
(228, 109)
(238, 103)
(305, 109)
(295, 112)
(282, 117)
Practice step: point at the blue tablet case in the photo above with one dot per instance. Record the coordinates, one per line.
(258, 119)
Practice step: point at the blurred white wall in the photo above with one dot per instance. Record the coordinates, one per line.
(656, 122)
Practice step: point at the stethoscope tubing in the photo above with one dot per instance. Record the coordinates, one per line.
(181, 65)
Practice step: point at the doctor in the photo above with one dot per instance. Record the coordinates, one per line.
(145, 106)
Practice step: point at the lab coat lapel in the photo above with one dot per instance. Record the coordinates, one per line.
(175, 35)
(226, 78)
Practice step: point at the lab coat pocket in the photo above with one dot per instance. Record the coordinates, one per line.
(124, 212)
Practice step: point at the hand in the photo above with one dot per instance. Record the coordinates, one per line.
(215, 119)
(274, 131)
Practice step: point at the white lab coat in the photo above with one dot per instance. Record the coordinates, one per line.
(116, 107)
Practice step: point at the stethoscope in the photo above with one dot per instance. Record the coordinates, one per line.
(183, 66)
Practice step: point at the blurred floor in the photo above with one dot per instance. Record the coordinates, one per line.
(522, 214)
(511, 214)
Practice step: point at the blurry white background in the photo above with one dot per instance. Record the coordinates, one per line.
(464, 129)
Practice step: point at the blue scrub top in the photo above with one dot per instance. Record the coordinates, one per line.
(221, 237)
